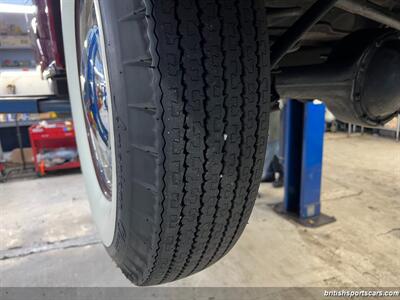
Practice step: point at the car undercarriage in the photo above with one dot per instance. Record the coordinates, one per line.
(335, 50)
(333, 21)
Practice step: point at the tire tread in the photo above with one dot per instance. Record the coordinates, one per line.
(210, 69)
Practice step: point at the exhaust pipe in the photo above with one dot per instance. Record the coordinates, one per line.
(361, 88)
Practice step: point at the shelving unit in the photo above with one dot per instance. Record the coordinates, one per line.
(19, 74)
(15, 48)
(20, 123)
(15, 42)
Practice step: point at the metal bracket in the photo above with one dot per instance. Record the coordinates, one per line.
(315, 13)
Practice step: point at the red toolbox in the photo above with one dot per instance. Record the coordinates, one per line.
(53, 146)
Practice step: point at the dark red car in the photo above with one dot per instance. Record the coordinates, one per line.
(48, 43)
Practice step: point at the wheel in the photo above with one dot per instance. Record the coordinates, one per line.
(172, 122)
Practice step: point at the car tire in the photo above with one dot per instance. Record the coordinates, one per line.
(190, 94)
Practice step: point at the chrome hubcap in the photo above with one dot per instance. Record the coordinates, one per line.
(96, 100)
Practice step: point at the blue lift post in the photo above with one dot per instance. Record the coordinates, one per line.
(304, 127)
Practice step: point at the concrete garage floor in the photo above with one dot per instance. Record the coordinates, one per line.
(361, 188)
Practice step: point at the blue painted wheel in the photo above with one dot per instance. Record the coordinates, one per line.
(95, 98)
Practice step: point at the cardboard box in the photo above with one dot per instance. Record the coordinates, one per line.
(392, 124)
(15, 156)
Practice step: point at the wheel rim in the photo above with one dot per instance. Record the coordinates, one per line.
(96, 99)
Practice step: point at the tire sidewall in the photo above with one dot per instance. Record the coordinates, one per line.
(103, 210)
(120, 121)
